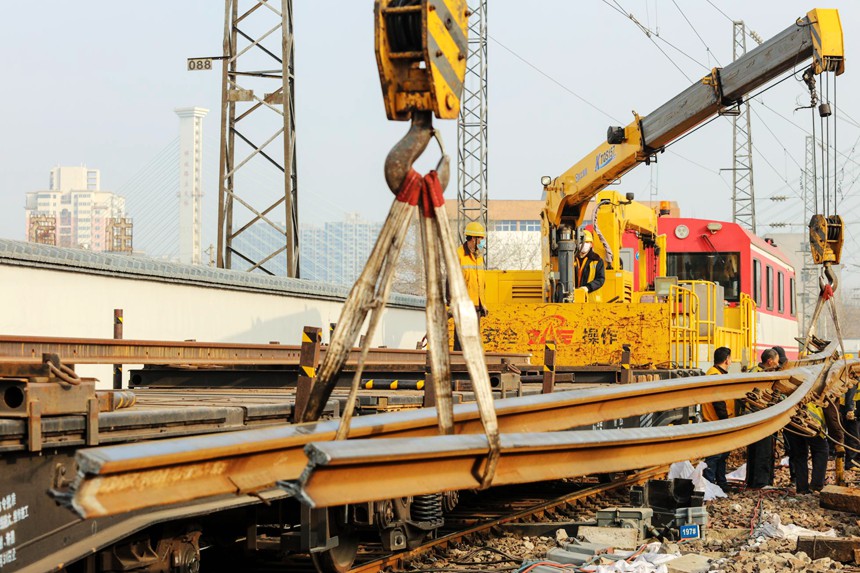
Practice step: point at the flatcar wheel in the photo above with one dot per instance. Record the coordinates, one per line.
(338, 559)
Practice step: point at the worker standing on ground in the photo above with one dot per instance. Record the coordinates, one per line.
(713, 411)
(849, 422)
(472, 265)
(760, 453)
(588, 267)
(801, 447)
(782, 360)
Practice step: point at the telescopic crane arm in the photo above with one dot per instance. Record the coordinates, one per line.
(818, 35)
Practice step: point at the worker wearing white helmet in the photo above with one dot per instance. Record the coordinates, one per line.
(588, 268)
(472, 263)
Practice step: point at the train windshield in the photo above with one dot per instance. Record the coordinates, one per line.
(721, 268)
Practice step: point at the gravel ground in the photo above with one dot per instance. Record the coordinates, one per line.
(746, 551)
(748, 509)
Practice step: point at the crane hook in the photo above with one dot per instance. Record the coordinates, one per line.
(405, 152)
(828, 286)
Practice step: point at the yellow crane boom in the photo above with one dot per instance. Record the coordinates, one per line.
(817, 35)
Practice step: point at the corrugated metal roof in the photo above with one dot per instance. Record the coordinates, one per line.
(22, 253)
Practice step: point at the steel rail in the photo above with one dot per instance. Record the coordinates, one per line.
(396, 561)
(120, 478)
(15, 349)
(341, 473)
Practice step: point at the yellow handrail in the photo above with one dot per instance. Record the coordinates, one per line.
(684, 326)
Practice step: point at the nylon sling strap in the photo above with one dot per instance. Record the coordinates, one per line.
(371, 291)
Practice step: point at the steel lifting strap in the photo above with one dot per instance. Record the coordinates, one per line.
(370, 294)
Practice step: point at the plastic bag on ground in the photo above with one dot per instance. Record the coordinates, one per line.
(739, 474)
(680, 470)
(774, 528)
(650, 561)
(685, 470)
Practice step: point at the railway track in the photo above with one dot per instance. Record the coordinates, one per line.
(476, 516)
(513, 505)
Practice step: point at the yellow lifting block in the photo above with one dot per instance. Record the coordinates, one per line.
(827, 44)
(421, 48)
(825, 238)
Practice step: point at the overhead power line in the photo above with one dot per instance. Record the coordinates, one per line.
(696, 32)
(751, 33)
(553, 80)
(843, 155)
(651, 35)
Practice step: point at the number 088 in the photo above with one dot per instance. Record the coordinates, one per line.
(194, 65)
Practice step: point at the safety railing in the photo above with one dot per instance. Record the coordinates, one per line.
(708, 318)
(748, 322)
(684, 326)
(739, 332)
(732, 338)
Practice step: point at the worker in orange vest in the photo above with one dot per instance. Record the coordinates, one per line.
(472, 265)
(713, 411)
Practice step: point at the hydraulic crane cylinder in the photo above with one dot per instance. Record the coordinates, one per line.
(566, 252)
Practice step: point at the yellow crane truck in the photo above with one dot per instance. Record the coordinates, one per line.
(656, 322)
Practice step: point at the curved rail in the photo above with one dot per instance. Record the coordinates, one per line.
(366, 470)
(116, 479)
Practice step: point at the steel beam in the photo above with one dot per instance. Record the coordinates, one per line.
(15, 349)
(132, 476)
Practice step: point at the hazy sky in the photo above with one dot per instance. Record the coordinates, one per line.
(96, 83)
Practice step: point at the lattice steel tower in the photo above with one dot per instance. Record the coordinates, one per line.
(257, 216)
(472, 126)
(809, 273)
(743, 191)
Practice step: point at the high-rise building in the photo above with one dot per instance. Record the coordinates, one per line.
(337, 251)
(79, 208)
(190, 182)
(120, 232)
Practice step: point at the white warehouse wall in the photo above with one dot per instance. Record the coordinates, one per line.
(79, 303)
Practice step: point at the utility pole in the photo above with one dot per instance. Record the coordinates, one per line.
(743, 191)
(472, 126)
(257, 95)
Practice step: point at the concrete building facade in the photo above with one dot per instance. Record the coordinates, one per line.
(79, 207)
